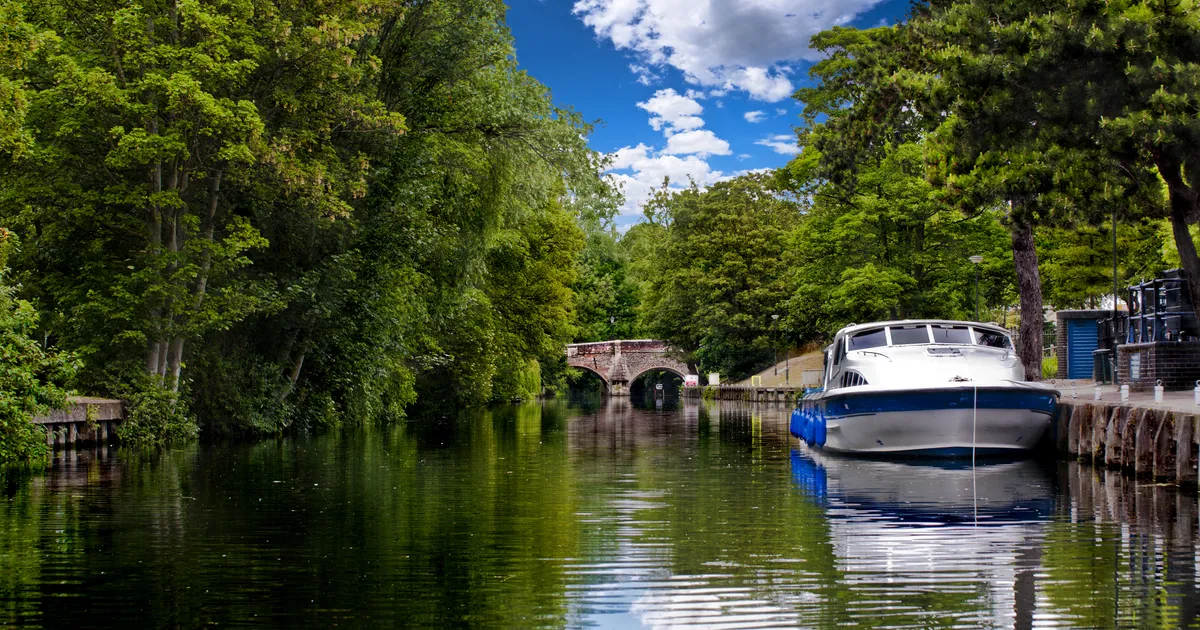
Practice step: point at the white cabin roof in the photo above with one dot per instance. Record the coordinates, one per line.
(853, 328)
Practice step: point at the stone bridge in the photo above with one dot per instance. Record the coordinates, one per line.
(620, 363)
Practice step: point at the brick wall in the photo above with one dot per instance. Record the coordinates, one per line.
(1060, 345)
(1177, 363)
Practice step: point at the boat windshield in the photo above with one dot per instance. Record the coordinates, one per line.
(917, 334)
(868, 339)
(909, 335)
(992, 339)
(952, 334)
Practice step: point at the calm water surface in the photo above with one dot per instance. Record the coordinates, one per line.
(546, 515)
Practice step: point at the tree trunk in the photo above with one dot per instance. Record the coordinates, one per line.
(1184, 200)
(152, 357)
(293, 376)
(1187, 250)
(154, 236)
(174, 363)
(209, 228)
(1029, 288)
(163, 355)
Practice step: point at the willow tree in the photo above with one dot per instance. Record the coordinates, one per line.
(151, 123)
(297, 215)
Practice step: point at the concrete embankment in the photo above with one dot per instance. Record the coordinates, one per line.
(85, 420)
(745, 393)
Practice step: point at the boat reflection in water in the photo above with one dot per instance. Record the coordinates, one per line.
(906, 533)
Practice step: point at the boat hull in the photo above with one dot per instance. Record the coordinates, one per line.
(944, 422)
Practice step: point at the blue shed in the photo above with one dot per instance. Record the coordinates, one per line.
(1082, 341)
(1077, 339)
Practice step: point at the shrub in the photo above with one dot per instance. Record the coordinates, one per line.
(155, 415)
(32, 378)
(1050, 367)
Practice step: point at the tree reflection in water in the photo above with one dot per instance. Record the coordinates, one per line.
(550, 515)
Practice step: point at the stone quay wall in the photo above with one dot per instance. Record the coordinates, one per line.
(1145, 442)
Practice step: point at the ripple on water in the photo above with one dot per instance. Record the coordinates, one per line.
(545, 516)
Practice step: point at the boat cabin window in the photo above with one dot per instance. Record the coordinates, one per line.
(867, 339)
(951, 334)
(909, 335)
(992, 339)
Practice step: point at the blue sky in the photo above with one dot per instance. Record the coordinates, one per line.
(681, 88)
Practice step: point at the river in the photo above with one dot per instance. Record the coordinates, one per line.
(553, 515)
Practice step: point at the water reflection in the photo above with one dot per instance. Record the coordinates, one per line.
(606, 515)
(924, 542)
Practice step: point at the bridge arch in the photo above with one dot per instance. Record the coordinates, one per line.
(607, 387)
(616, 361)
(666, 368)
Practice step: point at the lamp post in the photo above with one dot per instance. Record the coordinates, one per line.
(975, 260)
(775, 322)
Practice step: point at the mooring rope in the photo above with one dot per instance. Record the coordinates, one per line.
(974, 424)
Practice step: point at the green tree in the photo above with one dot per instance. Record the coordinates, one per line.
(889, 249)
(713, 272)
(988, 93)
(1005, 86)
(32, 379)
(606, 298)
(1077, 261)
(160, 131)
(297, 216)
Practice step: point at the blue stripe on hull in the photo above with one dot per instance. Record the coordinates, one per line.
(950, 452)
(871, 403)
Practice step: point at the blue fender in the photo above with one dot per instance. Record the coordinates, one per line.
(819, 430)
(794, 427)
(808, 427)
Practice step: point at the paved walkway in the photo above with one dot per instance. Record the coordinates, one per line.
(1085, 389)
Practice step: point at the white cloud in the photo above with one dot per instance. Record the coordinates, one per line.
(683, 123)
(762, 84)
(645, 75)
(779, 111)
(673, 112)
(639, 173)
(640, 170)
(743, 156)
(628, 157)
(781, 143)
(699, 141)
(755, 116)
(698, 95)
(743, 45)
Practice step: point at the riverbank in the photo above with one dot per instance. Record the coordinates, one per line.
(745, 393)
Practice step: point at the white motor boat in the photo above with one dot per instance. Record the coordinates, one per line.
(924, 388)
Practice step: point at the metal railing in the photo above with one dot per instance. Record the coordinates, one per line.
(1161, 310)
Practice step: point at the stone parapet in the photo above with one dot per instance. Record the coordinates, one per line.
(620, 363)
